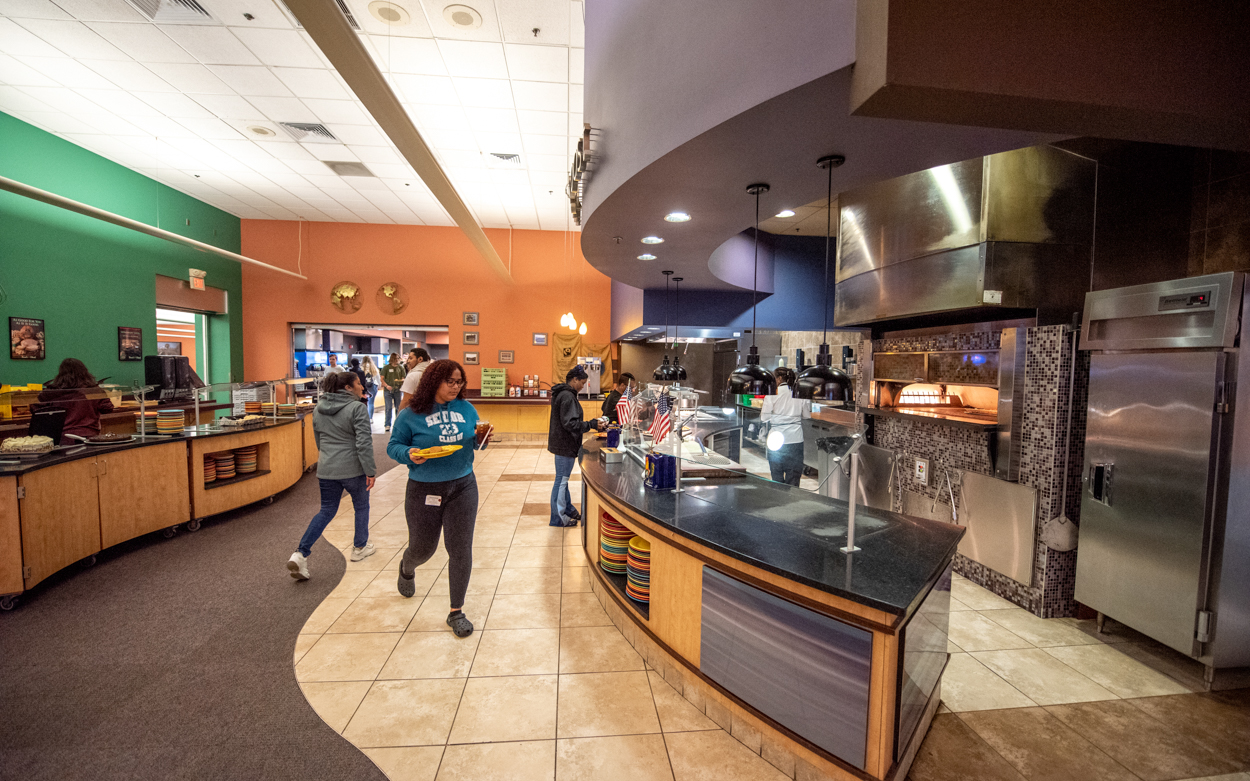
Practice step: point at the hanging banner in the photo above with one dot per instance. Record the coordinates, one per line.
(566, 348)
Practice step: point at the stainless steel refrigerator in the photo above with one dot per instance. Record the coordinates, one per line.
(1165, 506)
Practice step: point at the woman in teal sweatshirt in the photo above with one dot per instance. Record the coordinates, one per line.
(442, 492)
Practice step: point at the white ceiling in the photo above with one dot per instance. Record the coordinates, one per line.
(175, 101)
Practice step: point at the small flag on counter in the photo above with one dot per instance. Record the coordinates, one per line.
(661, 425)
(625, 407)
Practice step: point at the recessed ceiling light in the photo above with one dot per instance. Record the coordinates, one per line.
(389, 13)
(258, 130)
(462, 16)
(785, 213)
(653, 240)
(646, 256)
(677, 217)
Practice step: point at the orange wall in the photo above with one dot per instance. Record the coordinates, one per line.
(444, 276)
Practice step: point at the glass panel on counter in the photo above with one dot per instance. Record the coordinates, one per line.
(924, 658)
(902, 367)
(964, 368)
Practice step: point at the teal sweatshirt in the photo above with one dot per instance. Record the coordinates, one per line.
(448, 424)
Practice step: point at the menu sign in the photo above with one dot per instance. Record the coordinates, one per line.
(26, 339)
(129, 344)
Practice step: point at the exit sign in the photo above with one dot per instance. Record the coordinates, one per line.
(197, 283)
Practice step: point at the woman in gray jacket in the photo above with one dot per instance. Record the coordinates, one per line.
(344, 463)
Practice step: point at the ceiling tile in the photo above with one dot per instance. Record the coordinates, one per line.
(231, 12)
(307, 168)
(348, 112)
(461, 159)
(576, 127)
(278, 47)
(577, 66)
(69, 73)
(577, 24)
(549, 179)
(228, 106)
(473, 59)
(546, 145)
(63, 99)
(283, 109)
(129, 75)
(13, 100)
(361, 135)
(439, 117)
(17, 74)
(210, 127)
(548, 164)
(312, 83)
(449, 139)
(57, 122)
(173, 104)
(210, 45)
(410, 55)
(431, 90)
(31, 9)
(291, 154)
(330, 152)
(518, 18)
(20, 42)
(414, 26)
(73, 38)
(485, 93)
(441, 28)
(394, 171)
(376, 154)
(509, 143)
(538, 63)
(143, 42)
(541, 96)
(250, 80)
(101, 10)
(576, 98)
(120, 102)
(330, 182)
(543, 122)
(492, 120)
(192, 79)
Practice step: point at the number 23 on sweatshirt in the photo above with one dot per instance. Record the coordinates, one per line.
(448, 424)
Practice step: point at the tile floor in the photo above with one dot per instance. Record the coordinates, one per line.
(547, 688)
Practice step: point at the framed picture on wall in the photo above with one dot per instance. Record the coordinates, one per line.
(470, 337)
(129, 343)
(540, 340)
(470, 359)
(505, 356)
(169, 348)
(470, 318)
(26, 339)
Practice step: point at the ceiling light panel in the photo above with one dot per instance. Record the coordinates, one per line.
(474, 60)
(285, 48)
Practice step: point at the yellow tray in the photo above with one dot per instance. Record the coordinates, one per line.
(438, 451)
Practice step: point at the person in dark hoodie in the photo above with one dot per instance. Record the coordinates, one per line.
(345, 463)
(564, 441)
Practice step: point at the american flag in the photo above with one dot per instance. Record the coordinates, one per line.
(625, 407)
(661, 425)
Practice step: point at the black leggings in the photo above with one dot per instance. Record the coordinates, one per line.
(455, 515)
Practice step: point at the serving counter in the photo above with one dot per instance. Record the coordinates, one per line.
(761, 619)
(515, 417)
(68, 505)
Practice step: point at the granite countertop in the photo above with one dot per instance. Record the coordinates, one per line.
(794, 533)
(69, 453)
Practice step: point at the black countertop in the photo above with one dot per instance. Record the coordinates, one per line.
(794, 533)
(953, 418)
(67, 453)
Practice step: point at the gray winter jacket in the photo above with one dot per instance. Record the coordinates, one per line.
(344, 439)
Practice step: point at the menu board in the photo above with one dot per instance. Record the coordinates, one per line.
(494, 382)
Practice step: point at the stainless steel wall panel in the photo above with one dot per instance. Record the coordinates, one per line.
(1143, 536)
(1039, 195)
(924, 658)
(1196, 312)
(1010, 403)
(933, 283)
(876, 482)
(804, 670)
(1001, 519)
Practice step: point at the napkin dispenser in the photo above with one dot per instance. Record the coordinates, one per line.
(661, 472)
(610, 455)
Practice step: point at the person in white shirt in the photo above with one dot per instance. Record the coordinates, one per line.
(785, 414)
(418, 359)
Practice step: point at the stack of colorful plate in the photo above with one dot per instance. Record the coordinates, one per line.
(145, 423)
(638, 571)
(613, 545)
(170, 421)
(225, 464)
(251, 407)
(210, 469)
(245, 459)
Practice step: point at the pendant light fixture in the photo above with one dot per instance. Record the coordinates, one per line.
(824, 382)
(751, 377)
(665, 372)
(678, 369)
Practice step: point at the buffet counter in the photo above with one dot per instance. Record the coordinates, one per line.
(65, 506)
(837, 658)
(523, 414)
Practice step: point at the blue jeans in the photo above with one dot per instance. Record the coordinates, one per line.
(369, 403)
(392, 398)
(331, 495)
(561, 502)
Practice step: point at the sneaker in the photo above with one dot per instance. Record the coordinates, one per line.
(359, 554)
(574, 515)
(298, 566)
(407, 585)
(388, 428)
(459, 624)
(567, 524)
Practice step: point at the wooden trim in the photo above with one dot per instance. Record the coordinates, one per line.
(813, 599)
(879, 754)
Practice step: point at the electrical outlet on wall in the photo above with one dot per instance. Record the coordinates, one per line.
(922, 471)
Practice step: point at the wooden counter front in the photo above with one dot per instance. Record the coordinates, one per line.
(280, 453)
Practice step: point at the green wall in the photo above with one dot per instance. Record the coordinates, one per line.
(84, 277)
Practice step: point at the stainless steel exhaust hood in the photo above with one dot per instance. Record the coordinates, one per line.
(1011, 230)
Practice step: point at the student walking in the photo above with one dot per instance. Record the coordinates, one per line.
(442, 492)
(345, 463)
(418, 359)
(564, 441)
(372, 383)
(393, 374)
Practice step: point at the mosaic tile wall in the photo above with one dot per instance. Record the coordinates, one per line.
(1048, 364)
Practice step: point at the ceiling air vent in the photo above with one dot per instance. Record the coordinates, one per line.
(172, 10)
(348, 169)
(503, 160)
(309, 131)
(340, 3)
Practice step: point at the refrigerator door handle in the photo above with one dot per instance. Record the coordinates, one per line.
(1099, 482)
